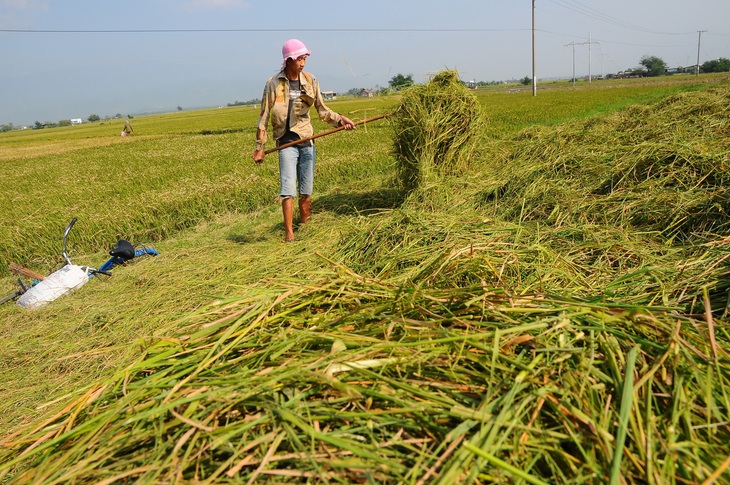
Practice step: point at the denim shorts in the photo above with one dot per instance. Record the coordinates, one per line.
(296, 169)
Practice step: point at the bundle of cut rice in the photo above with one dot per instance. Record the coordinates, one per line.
(436, 130)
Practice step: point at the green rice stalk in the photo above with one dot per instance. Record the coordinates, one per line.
(496, 461)
(627, 398)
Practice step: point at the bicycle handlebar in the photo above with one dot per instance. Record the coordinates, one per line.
(65, 236)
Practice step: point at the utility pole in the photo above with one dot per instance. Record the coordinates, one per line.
(573, 44)
(699, 41)
(534, 76)
(590, 75)
(600, 46)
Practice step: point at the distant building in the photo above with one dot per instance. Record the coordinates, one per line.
(76, 121)
(329, 95)
(628, 74)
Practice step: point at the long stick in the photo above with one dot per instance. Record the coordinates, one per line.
(19, 270)
(328, 132)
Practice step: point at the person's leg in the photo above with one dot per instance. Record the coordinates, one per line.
(305, 208)
(287, 208)
(305, 176)
(288, 159)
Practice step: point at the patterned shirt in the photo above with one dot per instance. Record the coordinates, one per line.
(275, 107)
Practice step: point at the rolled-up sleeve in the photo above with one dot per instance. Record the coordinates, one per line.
(267, 100)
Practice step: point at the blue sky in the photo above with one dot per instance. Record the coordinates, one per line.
(62, 59)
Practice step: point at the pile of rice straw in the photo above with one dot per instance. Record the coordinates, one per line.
(437, 128)
(660, 168)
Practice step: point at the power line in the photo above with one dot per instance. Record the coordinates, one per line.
(574, 36)
(165, 31)
(595, 14)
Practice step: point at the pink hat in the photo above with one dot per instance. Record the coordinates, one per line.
(293, 48)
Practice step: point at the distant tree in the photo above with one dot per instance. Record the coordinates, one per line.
(399, 81)
(654, 65)
(5, 128)
(716, 65)
(38, 125)
(64, 123)
(93, 118)
(117, 116)
(526, 81)
(245, 103)
(179, 108)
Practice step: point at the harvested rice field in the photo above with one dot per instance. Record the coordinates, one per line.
(492, 289)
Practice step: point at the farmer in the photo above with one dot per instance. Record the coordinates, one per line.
(127, 129)
(286, 101)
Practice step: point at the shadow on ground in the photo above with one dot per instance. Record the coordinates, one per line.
(342, 204)
(359, 203)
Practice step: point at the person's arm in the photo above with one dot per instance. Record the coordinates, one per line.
(346, 122)
(261, 134)
(258, 153)
(326, 114)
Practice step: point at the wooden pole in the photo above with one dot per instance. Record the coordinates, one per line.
(19, 270)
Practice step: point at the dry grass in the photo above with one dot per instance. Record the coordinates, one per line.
(474, 336)
(349, 379)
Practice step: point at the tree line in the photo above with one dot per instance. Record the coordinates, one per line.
(649, 66)
(655, 66)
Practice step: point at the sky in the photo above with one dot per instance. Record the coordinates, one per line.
(64, 59)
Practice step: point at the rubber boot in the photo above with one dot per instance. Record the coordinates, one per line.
(305, 208)
(287, 208)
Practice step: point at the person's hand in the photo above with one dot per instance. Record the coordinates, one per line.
(347, 123)
(258, 156)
